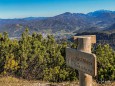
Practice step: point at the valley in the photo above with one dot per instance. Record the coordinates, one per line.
(100, 20)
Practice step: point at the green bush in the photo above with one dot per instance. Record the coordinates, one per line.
(105, 62)
(34, 57)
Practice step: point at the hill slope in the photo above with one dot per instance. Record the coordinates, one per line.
(66, 22)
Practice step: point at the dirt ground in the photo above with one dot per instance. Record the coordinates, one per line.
(10, 81)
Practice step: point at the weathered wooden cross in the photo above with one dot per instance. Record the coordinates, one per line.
(82, 59)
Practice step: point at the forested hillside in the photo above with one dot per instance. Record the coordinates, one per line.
(36, 57)
(63, 23)
(102, 38)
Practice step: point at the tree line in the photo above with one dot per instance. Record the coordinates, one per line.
(36, 57)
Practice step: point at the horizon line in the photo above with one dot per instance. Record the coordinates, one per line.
(55, 14)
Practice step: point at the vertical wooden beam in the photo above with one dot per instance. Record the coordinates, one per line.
(84, 44)
(93, 38)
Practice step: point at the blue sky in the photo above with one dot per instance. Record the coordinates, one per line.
(45, 8)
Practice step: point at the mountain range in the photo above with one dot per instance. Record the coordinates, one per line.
(97, 21)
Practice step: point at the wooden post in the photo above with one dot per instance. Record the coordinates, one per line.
(82, 59)
(84, 44)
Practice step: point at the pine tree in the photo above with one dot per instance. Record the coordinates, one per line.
(106, 59)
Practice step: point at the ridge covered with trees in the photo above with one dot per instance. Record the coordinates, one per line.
(63, 23)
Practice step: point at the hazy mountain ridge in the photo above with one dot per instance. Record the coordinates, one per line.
(67, 22)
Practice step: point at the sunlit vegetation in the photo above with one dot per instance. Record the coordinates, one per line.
(34, 57)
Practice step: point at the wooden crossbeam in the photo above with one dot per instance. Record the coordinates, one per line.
(83, 61)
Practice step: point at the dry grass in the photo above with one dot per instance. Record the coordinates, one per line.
(11, 81)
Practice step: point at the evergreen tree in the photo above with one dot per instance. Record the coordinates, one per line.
(105, 62)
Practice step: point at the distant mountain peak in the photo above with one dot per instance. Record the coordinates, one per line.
(100, 13)
(64, 14)
(67, 13)
(102, 10)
